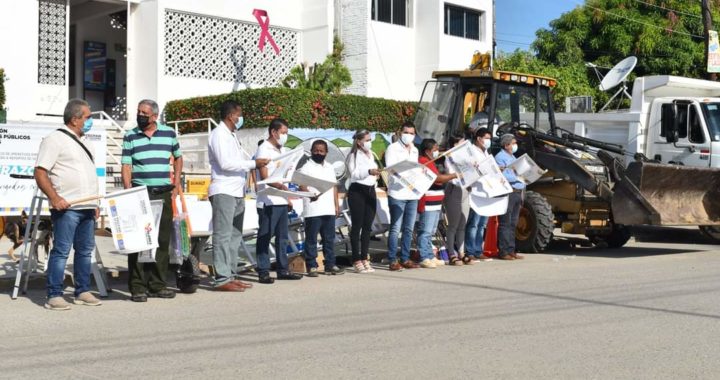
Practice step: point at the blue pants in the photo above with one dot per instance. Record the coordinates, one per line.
(71, 228)
(273, 221)
(324, 224)
(402, 217)
(474, 234)
(426, 229)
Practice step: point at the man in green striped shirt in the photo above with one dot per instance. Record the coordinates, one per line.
(147, 150)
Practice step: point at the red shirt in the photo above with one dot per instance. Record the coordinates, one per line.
(432, 199)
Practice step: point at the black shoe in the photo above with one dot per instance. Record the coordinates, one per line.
(138, 298)
(265, 279)
(289, 276)
(335, 270)
(164, 293)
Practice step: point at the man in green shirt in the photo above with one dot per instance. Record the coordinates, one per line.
(146, 155)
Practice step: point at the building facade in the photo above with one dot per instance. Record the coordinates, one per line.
(116, 52)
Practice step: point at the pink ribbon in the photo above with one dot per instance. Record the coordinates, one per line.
(264, 31)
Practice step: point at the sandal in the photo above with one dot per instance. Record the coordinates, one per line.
(467, 260)
(456, 261)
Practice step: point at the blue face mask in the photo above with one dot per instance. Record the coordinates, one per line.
(239, 123)
(87, 125)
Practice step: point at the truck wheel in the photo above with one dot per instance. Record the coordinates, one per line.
(616, 239)
(711, 232)
(535, 224)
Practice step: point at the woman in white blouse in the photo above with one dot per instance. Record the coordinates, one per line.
(361, 198)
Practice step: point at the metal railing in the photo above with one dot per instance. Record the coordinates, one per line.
(210, 123)
(113, 125)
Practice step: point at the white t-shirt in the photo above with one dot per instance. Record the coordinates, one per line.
(398, 152)
(325, 204)
(269, 151)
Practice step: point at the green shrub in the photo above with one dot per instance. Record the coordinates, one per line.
(300, 107)
(2, 88)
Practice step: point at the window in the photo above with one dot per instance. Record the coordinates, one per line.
(688, 121)
(462, 22)
(390, 11)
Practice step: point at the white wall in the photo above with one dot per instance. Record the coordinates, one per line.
(318, 22)
(354, 16)
(391, 59)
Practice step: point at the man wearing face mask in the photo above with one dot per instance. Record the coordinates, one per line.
(320, 212)
(475, 228)
(508, 221)
(273, 210)
(64, 171)
(229, 166)
(147, 150)
(403, 209)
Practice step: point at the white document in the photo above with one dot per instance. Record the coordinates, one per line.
(149, 255)
(488, 206)
(526, 169)
(131, 220)
(285, 166)
(321, 185)
(414, 178)
(286, 194)
(464, 160)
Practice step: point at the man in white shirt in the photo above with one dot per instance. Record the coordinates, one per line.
(320, 212)
(229, 165)
(403, 209)
(475, 227)
(273, 210)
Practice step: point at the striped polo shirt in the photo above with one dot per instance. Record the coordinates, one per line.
(150, 156)
(433, 198)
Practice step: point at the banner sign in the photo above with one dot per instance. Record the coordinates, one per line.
(526, 169)
(131, 220)
(713, 65)
(19, 145)
(464, 159)
(411, 179)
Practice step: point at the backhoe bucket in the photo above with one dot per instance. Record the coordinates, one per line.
(667, 195)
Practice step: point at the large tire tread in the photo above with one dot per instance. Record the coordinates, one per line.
(541, 233)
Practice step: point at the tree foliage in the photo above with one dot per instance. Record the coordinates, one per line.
(665, 36)
(331, 76)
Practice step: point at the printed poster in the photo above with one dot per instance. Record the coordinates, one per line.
(131, 220)
(411, 179)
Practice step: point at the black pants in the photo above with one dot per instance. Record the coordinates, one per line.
(508, 223)
(361, 200)
(151, 276)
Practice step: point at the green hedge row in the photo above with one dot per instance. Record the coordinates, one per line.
(300, 107)
(2, 88)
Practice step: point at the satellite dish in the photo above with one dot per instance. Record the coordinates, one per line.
(618, 73)
(335, 157)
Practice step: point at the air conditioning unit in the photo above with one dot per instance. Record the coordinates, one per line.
(578, 104)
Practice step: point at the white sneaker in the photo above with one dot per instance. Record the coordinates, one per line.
(359, 267)
(428, 264)
(438, 262)
(57, 303)
(368, 267)
(87, 299)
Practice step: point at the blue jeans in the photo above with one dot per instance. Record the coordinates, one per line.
(273, 221)
(71, 228)
(325, 224)
(427, 227)
(474, 234)
(402, 217)
(227, 222)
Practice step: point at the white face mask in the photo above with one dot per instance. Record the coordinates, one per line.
(367, 145)
(487, 143)
(283, 139)
(435, 154)
(514, 148)
(407, 138)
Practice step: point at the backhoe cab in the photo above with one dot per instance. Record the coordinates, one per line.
(587, 189)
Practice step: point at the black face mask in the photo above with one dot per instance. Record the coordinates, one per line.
(319, 158)
(143, 121)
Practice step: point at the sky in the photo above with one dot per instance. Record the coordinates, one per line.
(517, 20)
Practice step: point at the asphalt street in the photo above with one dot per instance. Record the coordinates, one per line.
(647, 311)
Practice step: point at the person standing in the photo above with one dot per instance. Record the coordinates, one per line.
(456, 210)
(273, 210)
(361, 198)
(65, 171)
(430, 205)
(475, 228)
(229, 166)
(320, 212)
(146, 154)
(507, 223)
(403, 209)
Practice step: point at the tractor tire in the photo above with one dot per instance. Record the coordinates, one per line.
(535, 224)
(711, 232)
(616, 239)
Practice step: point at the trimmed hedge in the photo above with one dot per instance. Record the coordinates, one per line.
(300, 107)
(2, 88)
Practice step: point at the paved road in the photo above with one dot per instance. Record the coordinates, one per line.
(649, 310)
